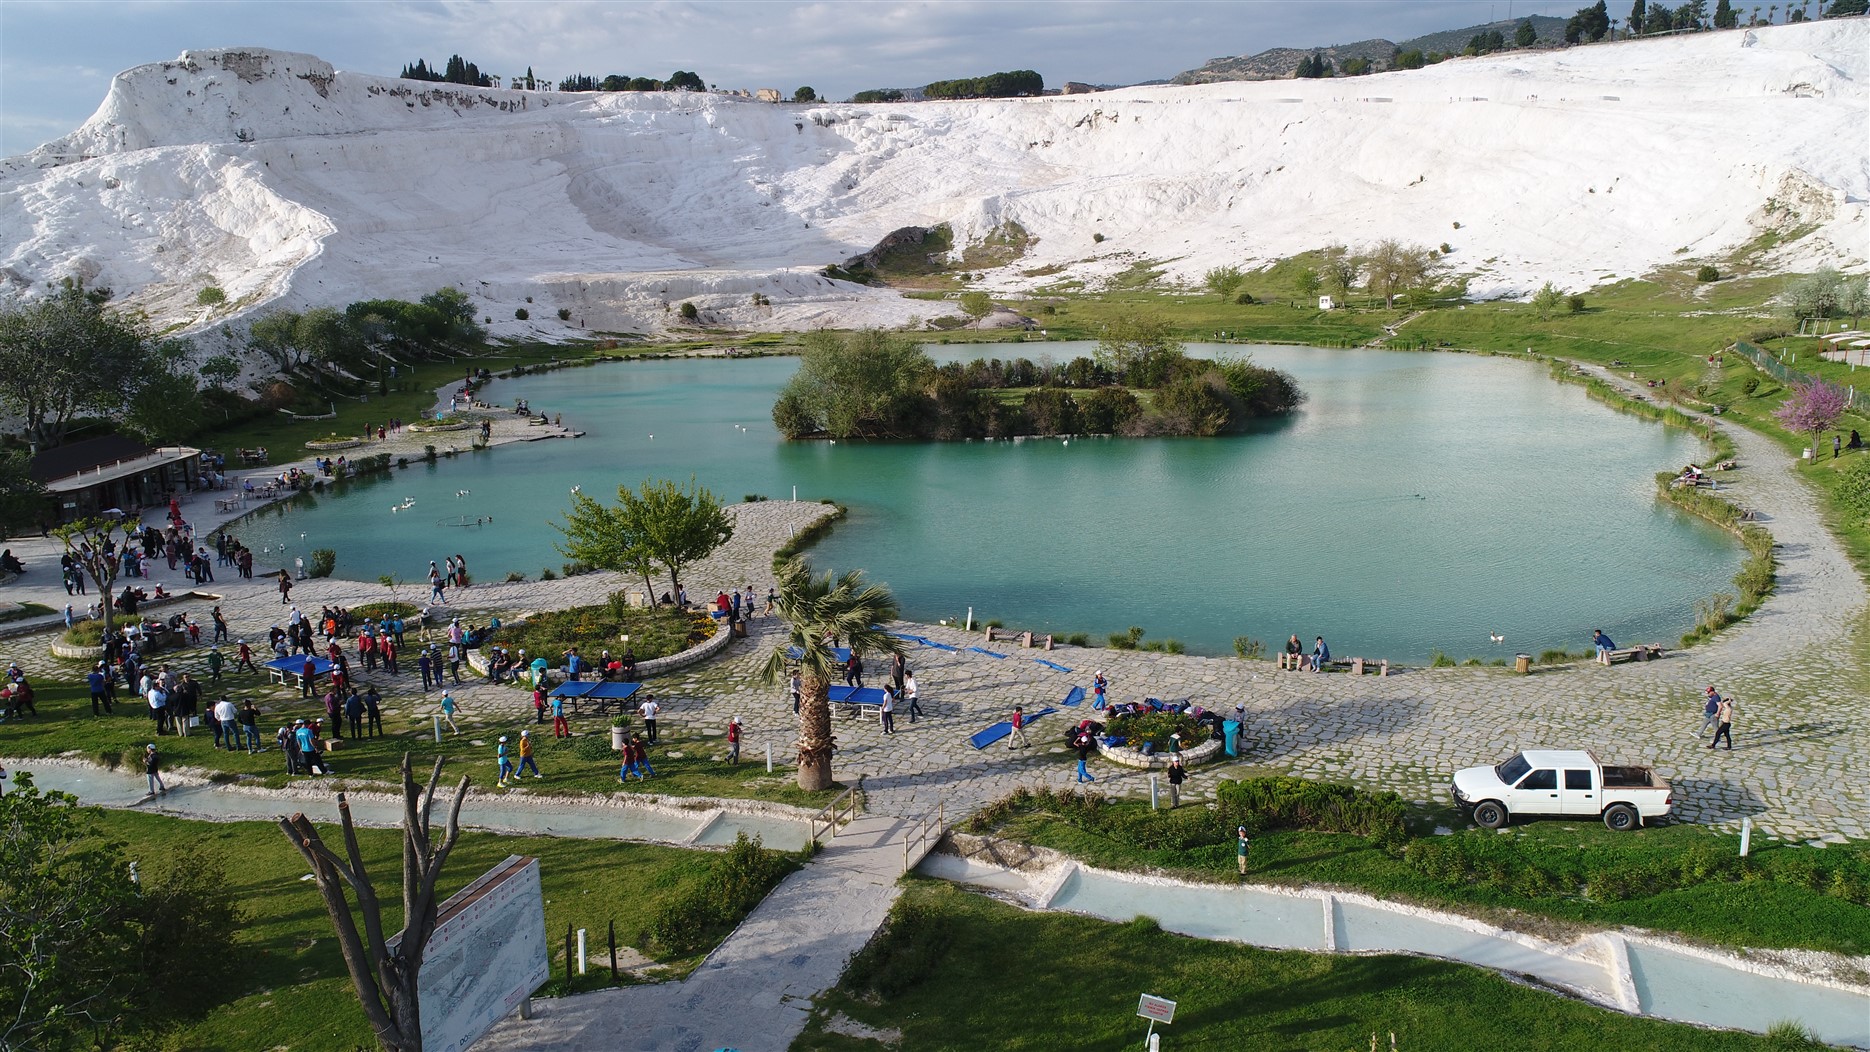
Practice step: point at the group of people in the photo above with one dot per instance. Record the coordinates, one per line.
(1295, 658)
(441, 579)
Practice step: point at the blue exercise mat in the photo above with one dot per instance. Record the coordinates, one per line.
(1075, 697)
(1054, 666)
(983, 738)
(907, 636)
(941, 646)
(843, 654)
(989, 653)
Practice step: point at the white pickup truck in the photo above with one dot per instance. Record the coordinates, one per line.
(1569, 782)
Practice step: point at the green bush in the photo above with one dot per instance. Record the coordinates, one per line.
(211, 296)
(690, 312)
(1078, 639)
(1437, 659)
(1553, 657)
(522, 314)
(735, 885)
(564, 314)
(324, 561)
(1128, 640)
(1249, 648)
(1280, 802)
(84, 634)
(1708, 272)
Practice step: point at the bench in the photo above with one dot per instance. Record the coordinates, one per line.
(1357, 666)
(1640, 652)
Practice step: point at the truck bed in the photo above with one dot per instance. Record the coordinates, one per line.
(1632, 778)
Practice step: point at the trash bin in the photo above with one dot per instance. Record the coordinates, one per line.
(1522, 663)
(740, 630)
(1230, 729)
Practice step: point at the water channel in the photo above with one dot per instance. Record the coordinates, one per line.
(1416, 502)
(1639, 975)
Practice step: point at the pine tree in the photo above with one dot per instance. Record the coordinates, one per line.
(1637, 14)
(1724, 16)
(1526, 36)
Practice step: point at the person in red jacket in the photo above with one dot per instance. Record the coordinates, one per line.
(733, 740)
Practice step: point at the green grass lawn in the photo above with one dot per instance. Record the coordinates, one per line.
(688, 762)
(297, 993)
(1785, 898)
(956, 970)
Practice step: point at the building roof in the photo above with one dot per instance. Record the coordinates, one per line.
(81, 465)
(88, 455)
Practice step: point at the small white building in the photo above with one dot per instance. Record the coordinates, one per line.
(1324, 303)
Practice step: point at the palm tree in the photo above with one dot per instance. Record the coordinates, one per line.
(1772, 13)
(817, 610)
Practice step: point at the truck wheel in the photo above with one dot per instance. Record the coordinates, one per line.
(1621, 818)
(1490, 814)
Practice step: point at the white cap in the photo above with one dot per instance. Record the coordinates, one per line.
(503, 739)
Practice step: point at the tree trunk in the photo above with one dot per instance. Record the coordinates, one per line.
(815, 741)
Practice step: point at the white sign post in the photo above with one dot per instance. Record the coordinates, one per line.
(1156, 1010)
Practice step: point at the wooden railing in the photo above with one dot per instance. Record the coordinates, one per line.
(924, 835)
(835, 813)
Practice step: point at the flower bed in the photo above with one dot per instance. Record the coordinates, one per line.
(1198, 746)
(325, 445)
(654, 633)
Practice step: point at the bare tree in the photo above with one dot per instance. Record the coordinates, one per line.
(1392, 267)
(385, 978)
(85, 541)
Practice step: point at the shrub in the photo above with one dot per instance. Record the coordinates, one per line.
(513, 577)
(84, 634)
(690, 312)
(564, 314)
(1280, 802)
(1249, 648)
(211, 296)
(379, 611)
(1437, 659)
(324, 560)
(1853, 487)
(522, 314)
(654, 632)
(996, 623)
(753, 498)
(1078, 639)
(547, 575)
(1129, 640)
(1245, 298)
(1575, 303)
(735, 885)
(1445, 249)
(1708, 272)
(1099, 238)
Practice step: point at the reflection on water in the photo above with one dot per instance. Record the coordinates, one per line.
(1416, 502)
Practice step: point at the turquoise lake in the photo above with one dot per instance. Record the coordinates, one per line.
(1416, 502)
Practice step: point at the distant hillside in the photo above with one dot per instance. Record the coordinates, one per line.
(1280, 63)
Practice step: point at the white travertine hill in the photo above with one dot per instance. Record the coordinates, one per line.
(283, 181)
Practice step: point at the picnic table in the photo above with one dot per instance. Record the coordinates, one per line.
(288, 671)
(607, 697)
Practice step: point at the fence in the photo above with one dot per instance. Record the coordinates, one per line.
(1769, 364)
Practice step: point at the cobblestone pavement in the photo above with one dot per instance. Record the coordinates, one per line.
(1792, 667)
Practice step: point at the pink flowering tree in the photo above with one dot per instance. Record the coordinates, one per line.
(1812, 409)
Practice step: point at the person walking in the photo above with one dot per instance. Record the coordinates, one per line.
(506, 762)
(220, 625)
(854, 671)
(158, 706)
(899, 671)
(285, 588)
(1710, 711)
(243, 658)
(629, 762)
(538, 703)
(448, 712)
(525, 757)
(909, 695)
(733, 740)
(152, 769)
(1725, 714)
(373, 711)
(99, 682)
(1098, 686)
(1084, 744)
(428, 670)
(560, 727)
(648, 711)
(1017, 739)
(642, 756)
(1177, 775)
(250, 725)
(888, 708)
(215, 661)
(1242, 845)
(227, 723)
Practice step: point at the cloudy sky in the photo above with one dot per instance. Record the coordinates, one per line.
(57, 56)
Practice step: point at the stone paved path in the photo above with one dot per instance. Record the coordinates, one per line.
(755, 991)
